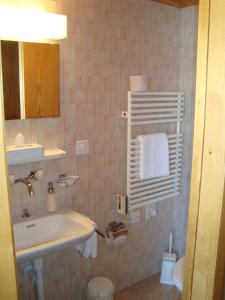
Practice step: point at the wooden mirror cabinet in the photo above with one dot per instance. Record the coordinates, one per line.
(30, 80)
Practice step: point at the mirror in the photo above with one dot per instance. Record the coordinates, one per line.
(30, 80)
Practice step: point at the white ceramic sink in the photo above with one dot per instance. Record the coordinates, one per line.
(47, 232)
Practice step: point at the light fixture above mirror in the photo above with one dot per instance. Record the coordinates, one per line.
(30, 25)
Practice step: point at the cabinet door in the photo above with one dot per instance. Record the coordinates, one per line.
(11, 81)
(41, 80)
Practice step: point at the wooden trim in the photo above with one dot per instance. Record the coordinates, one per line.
(175, 3)
(178, 3)
(8, 282)
(220, 260)
(200, 99)
(186, 3)
(211, 204)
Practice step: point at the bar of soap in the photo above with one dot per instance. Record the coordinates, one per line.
(28, 152)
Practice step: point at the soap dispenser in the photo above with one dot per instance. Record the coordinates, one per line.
(51, 202)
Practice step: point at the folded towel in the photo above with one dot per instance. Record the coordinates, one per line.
(154, 155)
(89, 247)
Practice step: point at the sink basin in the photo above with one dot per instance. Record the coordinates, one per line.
(47, 232)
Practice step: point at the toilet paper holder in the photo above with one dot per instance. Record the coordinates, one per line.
(100, 233)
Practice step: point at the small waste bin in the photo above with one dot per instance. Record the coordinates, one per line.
(100, 288)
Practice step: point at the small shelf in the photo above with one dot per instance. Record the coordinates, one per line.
(48, 155)
(54, 154)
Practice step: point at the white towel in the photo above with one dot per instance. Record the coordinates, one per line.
(89, 247)
(154, 155)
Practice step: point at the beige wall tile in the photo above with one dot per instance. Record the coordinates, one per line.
(109, 40)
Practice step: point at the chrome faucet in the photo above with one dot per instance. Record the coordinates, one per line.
(28, 183)
(33, 176)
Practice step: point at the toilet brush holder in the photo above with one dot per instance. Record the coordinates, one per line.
(169, 261)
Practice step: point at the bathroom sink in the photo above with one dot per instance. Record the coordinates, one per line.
(47, 232)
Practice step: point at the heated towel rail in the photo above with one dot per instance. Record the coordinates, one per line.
(161, 109)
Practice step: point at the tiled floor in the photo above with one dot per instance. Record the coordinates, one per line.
(149, 289)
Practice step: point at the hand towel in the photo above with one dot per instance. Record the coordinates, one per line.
(89, 247)
(154, 155)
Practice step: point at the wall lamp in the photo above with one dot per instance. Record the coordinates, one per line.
(31, 25)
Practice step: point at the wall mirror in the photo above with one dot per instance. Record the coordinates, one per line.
(30, 80)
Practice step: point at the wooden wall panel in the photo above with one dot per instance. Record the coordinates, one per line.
(200, 102)
(41, 80)
(213, 171)
(11, 83)
(178, 3)
(209, 235)
(8, 285)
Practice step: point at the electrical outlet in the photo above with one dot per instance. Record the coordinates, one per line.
(150, 211)
(135, 216)
(82, 147)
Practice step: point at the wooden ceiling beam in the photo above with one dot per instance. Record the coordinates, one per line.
(178, 3)
(186, 3)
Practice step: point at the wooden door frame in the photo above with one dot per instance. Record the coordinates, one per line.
(8, 274)
(205, 250)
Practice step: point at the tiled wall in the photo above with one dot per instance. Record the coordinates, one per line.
(189, 24)
(108, 41)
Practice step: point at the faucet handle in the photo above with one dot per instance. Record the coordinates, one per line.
(26, 214)
(35, 175)
(62, 175)
(12, 179)
(39, 174)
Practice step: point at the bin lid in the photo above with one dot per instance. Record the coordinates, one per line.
(100, 286)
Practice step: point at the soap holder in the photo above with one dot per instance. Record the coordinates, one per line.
(66, 180)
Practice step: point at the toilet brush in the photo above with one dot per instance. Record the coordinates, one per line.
(169, 261)
(170, 243)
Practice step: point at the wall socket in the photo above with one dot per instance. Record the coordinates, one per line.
(150, 211)
(135, 216)
(82, 147)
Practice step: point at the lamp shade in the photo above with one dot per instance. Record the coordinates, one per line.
(30, 25)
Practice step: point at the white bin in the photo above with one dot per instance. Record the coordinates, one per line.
(100, 288)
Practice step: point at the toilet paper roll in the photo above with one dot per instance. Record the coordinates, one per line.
(138, 83)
